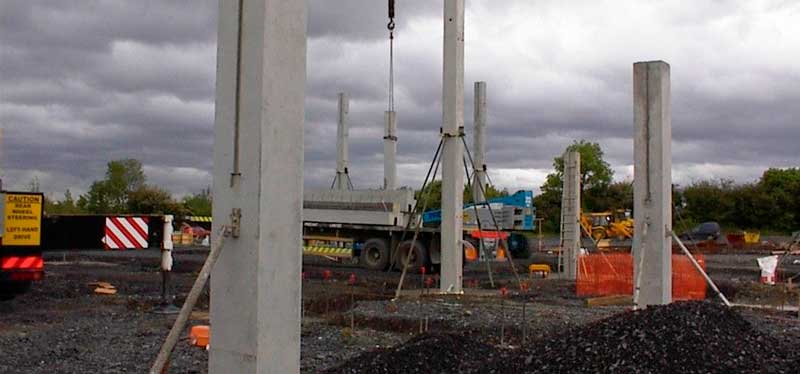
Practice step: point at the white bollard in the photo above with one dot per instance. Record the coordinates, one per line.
(166, 244)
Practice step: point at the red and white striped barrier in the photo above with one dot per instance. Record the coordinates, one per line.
(126, 233)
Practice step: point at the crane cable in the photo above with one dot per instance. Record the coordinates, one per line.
(390, 26)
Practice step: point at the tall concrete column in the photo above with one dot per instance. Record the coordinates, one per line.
(258, 174)
(478, 147)
(571, 214)
(342, 181)
(2, 169)
(453, 148)
(652, 183)
(390, 151)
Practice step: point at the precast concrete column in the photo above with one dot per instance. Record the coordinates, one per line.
(571, 214)
(652, 183)
(390, 151)
(342, 138)
(452, 148)
(258, 181)
(478, 147)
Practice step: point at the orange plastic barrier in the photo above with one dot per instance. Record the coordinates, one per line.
(612, 274)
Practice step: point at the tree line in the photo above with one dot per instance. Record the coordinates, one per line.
(124, 190)
(771, 203)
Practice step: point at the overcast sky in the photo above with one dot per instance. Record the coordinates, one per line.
(85, 82)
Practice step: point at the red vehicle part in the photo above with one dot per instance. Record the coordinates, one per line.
(22, 268)
(483, 234)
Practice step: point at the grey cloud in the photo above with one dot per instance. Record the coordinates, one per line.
(363, 20)
(84, 82)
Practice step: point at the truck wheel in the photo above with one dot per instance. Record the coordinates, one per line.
(598, 234)
(10, 289)
(419, 256)
(518, 246)
(375, 254)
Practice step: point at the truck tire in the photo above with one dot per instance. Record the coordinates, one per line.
(419, 256)
(13, 288)
(375, 254)
(518, 246)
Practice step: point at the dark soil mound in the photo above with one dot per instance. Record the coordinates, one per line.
(688, 337)
(430, 353)
(683, 337)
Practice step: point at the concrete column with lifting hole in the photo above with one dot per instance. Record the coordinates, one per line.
(258, 180)
(453, 148)
(652, 183)
(342, 181)
(478, 147)
(571, 214)
(390, 151)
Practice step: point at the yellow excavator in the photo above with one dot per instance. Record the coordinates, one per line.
(607, 225)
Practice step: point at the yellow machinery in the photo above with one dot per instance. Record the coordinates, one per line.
(606, 225)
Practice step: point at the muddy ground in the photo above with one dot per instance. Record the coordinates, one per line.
(62, 326)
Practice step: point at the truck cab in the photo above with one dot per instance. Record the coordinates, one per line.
(21, 261)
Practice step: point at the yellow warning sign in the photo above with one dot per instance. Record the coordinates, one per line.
(23, 219)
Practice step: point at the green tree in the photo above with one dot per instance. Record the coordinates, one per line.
(548, 208)
(596, 173)
(64, 206)
(152, 200)
(617, 195)
(122, 178)
(782, 187)
(97, 200)
(708, 201)
(110, 195)
(198, 204)
(752, 207)
(595, 179)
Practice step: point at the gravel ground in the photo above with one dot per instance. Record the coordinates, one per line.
(480, 316)
(62, 326)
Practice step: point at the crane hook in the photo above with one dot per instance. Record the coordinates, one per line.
(390, 26)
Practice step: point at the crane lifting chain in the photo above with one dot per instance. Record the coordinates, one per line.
(390, 26)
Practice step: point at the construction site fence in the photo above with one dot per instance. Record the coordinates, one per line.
(612, 274)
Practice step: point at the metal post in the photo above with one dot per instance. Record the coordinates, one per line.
(342, 181)
(453, 149)
(700, 270)
(390, 151)
(260, 95)
(571, 214)
(652, 183)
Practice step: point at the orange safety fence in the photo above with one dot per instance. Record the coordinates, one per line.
(612, 274)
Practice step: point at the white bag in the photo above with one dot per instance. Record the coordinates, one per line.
(768, 266)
